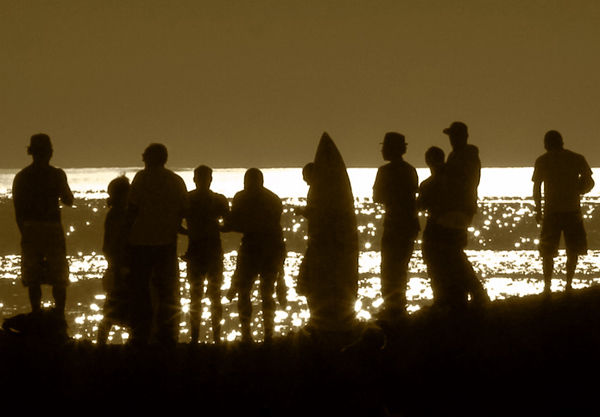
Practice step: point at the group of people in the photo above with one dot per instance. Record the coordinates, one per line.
(449, 198)
(146, 216)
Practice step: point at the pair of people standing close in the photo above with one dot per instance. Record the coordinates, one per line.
(450, 198)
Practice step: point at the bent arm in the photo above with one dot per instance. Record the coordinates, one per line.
(66, 195)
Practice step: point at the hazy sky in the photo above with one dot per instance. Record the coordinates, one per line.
(255, 83)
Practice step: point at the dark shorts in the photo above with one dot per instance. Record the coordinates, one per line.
(44, 255)
(260, 257)
(204, 258)
(570, 224)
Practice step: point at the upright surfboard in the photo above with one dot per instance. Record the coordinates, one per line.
(332, 253)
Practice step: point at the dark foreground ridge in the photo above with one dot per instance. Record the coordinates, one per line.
(522, 356)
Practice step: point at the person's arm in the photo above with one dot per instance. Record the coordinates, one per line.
(66, 195)
(16, 192)
(537, 198)
(378, 193)
(586, 182)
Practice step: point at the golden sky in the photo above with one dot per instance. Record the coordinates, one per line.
(255, 83)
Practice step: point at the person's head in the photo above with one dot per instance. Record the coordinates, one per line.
(203, 177)
(434, 158)
(553, 141)
(308, 172)
(394, 146)
(40, 148)
(253, 179)
(118, 191)
(458, 134)
(155, 155)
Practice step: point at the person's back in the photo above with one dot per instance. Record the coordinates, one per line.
(206, 210)
(37, 191)
(565, 176)
(160, 197)
(395, 187)
(560, 171)
(462, 174)
(256, 211)
(158, 203)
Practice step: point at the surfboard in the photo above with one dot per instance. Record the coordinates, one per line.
(332, 251)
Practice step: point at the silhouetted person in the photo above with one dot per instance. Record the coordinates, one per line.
(256, 213)
(430, 200)
(37, 191)
(205, 254)
(461, 176)
(302, 284)
(158, 202)
(566, 176)
(117, 305)
(396, 187)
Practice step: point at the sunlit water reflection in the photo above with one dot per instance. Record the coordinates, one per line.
(502, 247)
(504, 273)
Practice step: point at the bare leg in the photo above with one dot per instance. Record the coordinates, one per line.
(548, 267)
(267, 288)
(214, 293)
(35, 297)
(196, 304)
(60, 298)
(571, 265)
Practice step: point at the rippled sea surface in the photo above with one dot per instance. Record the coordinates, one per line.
(502, 248)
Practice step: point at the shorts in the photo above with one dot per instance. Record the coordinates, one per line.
(571, 225)
(44, 255)
(260, 257)
(204, 258)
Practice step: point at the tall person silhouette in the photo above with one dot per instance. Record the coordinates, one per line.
(256, 213)
(38, 191)
(565, 176)
(205, 253)
(396, 187)
(461, 176)
(158, 202)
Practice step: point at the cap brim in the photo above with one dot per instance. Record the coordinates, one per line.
(446, 131)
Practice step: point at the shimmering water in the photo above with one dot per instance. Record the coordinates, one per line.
(502, 248)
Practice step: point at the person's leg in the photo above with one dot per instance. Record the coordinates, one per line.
(575, 242)
(142, 259)
(59, 293)
(196, 293)
(245, 282)
(35, 297)
(196, 281)
(395, 257)
(267, 290)
(548, 269)
(571, 265)
(216, 309)
(166, 281)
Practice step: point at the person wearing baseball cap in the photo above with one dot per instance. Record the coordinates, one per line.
(460, 180)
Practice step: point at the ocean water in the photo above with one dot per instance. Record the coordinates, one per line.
(502, 247)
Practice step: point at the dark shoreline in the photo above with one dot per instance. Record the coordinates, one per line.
(521, 356)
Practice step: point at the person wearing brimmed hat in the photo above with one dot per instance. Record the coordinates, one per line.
(396, 187)
(38, 190)
(566, 176)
